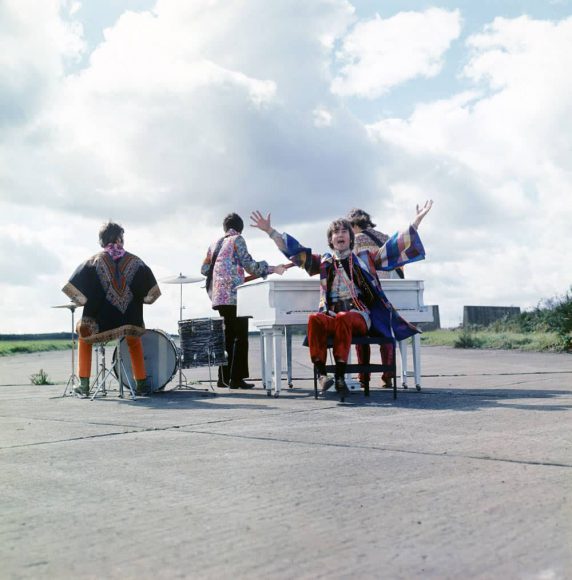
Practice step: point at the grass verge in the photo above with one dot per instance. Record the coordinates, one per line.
(460, 338)
(9, 347)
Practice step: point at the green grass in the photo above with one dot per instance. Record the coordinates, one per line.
(40, 378)
(487, 339)
(456, 338)
(8, 347)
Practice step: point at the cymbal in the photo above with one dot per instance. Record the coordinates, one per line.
(181, 279)
(70, 306)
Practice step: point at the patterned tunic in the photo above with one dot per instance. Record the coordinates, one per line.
(232, 260)
(112, 294)
(364, 243)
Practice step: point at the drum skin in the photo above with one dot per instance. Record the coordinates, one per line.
(161, 359)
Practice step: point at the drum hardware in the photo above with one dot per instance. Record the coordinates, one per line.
(104, 373)
(183, 279)
(202, 343)
(73, 380)
(101, 366)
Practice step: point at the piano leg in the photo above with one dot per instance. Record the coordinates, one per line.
(266, 334)
(262, 360)
(417, 360)
(403, 352)
(277, 347)
(288, 335)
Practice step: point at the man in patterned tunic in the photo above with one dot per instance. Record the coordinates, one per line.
(112, 287)
(224, 267)
(370, 239)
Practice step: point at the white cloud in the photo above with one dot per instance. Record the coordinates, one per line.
(498, 159)
(322, 117)
(380, 54)
(189, 102)
(35, 44)
(195, 109)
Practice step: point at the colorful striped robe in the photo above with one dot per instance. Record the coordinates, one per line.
(400, 249)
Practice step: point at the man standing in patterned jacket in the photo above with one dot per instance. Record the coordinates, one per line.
(224, 266)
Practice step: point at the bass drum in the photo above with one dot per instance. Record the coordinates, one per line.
(161, 359)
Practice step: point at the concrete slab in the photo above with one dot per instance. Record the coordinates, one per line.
(470, 477)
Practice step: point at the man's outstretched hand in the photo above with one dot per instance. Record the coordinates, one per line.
(259, 221)
(421, 212)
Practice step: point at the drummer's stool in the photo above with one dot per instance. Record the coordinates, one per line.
(362, 367)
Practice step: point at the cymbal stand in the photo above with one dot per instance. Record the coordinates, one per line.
(73, 380)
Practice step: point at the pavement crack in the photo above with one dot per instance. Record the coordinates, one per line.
(384, 449)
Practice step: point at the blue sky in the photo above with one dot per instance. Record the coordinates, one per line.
(165, 115)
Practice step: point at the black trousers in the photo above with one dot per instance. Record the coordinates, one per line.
(236, 342)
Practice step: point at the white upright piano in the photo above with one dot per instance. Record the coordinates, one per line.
(277, 304)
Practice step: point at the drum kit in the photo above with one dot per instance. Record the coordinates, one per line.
(202, 343)
(196, 350)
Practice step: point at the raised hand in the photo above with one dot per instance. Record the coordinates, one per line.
(259, 221)
(422, 212)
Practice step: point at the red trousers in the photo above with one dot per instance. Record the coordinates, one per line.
(387, 357)
(342, 327)
(135, 352)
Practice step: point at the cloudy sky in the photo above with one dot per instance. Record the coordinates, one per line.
(165, 115)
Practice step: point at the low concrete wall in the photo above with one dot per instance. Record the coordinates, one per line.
(484, 315)
(436, 324)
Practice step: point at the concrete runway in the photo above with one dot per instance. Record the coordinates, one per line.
(469, 478)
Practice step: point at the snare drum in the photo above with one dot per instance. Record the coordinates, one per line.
(202, 342)
(160, 355)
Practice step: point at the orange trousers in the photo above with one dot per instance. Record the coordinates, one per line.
(135, 353)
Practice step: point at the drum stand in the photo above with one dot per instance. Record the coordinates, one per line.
(99, 381)
(186, 386)
(202, 392)
(104, 374)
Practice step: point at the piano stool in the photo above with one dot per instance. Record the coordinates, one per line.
(362, 368)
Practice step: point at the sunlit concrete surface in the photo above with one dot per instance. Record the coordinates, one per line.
(469, 478)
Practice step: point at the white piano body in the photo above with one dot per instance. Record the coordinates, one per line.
(276, 305)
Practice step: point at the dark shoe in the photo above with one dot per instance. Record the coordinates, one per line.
(341, 387)
(221, 384)
(141, 387)
(325, 383)
(82, 390)
(240, 384)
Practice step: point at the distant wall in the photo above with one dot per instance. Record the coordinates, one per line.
(436, 324)
(484, 315)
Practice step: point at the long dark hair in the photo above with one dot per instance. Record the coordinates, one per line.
(109, 232)
(360, 218)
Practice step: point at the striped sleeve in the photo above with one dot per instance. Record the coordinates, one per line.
(402, 248)
(296, 253)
